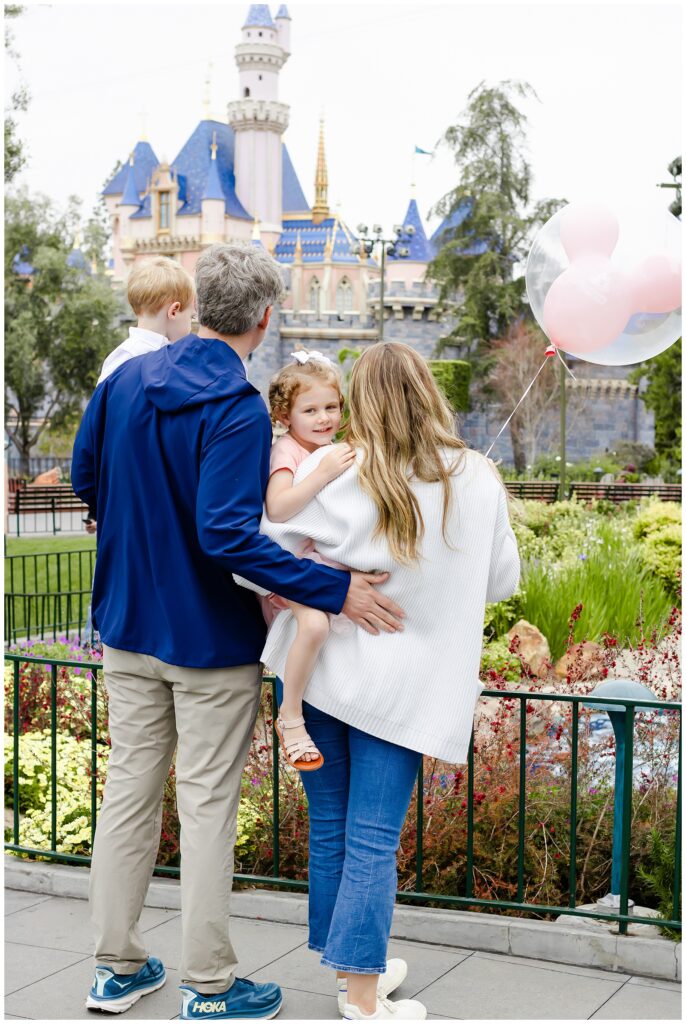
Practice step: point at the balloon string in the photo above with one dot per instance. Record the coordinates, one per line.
(518, 404)
(564, 364)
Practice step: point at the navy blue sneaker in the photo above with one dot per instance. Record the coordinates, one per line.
(115, 993)
(244, 999)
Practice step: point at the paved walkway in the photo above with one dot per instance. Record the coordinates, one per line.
(49, 970)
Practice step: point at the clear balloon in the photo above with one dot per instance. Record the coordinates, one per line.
(647, 254)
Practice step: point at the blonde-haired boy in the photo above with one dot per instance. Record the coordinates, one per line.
(161, 294)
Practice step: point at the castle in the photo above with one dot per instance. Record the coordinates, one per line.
(234, 181)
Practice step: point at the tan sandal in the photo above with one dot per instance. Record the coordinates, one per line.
(293, 750)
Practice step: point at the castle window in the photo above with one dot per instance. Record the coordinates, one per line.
(164, 218)
(246, 91)
(315, 295)
(344, 296)
(259, 77)
(259, 34)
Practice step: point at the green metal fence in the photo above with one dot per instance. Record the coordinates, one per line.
(47, 595)
(420, 893)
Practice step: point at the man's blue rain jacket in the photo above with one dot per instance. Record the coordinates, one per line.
(173, 457)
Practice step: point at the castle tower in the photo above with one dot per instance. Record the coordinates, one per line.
(320, 210)
(257, 118)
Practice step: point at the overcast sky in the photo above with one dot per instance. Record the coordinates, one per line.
(387, 76)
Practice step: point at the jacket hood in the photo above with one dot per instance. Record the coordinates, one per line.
(193, 371)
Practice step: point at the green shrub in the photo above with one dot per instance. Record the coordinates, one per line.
(657, 874)
(661, 553)
(453, 377)
(496, 657)
(35, 790)
(499, 617)
(655, 515)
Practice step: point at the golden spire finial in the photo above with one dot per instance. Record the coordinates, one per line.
(131, 159)
(256, 230)
(213, 147)
(320, 210)
(143, 133)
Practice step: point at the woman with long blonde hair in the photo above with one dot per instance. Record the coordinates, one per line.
(419, 504)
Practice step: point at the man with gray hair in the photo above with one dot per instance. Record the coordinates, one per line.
(173, 456)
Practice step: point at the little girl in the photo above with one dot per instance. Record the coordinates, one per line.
(305, 397)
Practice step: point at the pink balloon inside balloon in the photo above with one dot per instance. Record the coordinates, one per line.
(656, 284)
(588, 229)
(587, 306)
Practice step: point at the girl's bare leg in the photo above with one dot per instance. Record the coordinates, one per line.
(313, 629)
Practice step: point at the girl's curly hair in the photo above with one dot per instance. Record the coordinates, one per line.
(295, 378)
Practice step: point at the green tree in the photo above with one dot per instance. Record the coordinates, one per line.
(475, 265)
(59, 321)
(15, 154)
(663, 396)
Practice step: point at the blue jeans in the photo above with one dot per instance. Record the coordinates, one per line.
(357, 801)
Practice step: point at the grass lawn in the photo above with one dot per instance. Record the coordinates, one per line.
(41, 545)
(48, 565)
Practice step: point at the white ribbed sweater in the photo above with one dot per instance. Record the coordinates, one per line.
(417, 688)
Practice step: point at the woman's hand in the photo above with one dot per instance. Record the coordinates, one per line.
(340, 458)
(370, 609)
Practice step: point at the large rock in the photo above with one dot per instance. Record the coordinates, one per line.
(533, 648)
(50, 478)
(585, 660)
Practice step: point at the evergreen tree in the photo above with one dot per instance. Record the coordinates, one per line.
(475, 264)
(663, 396)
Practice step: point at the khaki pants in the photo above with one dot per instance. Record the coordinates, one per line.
(211, 714)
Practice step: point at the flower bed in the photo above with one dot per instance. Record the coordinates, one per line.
(559, 543)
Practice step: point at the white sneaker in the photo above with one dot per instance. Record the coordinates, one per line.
(396, 972)
(404, 1009)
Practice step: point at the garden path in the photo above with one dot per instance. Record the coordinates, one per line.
(49, 969)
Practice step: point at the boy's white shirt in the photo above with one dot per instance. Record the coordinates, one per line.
(139, 342)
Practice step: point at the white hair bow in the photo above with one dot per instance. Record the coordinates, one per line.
(305, 357)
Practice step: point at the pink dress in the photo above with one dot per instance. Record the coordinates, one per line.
(286, 453)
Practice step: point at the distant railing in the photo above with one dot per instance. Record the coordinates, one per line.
(421, 894)
(45, 509)
(619, 493)
(47, 595)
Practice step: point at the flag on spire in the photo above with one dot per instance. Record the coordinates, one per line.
(424, 152)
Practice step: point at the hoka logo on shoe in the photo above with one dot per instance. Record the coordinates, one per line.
(216, 1006)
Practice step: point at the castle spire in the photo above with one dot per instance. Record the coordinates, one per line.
(130, 195)
(320, 210)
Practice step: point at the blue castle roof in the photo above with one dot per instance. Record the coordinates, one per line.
(283, 12)
(421, 249)
(259, 16)
(213, 186)
(444, 231)
(20, 263)
(293, 197)
(144, 163)
(130, 195)
(313, 238)
(77, 260)
(193, 167)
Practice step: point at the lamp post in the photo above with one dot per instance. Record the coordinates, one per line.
(392, 246)
(623, 730)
